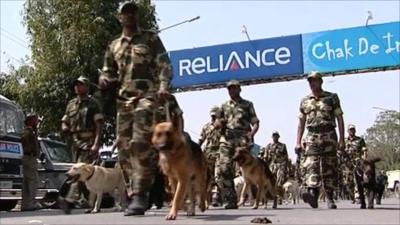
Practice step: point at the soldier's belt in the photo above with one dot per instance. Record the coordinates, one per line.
(137, 86)
(85, 134)
(321, 129)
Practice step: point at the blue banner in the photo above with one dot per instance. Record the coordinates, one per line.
(258, 59)
(355, 48)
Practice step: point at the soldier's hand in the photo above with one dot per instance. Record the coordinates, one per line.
(162, 95)
(107, 83)
(298, 149)
(94, 149)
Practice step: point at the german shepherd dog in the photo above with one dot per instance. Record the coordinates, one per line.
(185, 167)
(255, 171)
(366, 179)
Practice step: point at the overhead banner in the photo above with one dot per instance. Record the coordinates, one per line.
(355, 48)
(342, 50)
(249, 60)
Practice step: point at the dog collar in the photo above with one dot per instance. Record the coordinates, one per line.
(91, 175)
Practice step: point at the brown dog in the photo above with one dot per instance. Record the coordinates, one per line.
(185, 167)
(255, 171)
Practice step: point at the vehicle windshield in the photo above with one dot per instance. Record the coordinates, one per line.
(58, 152)
(11, 119)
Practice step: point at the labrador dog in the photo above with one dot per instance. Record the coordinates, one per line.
(291, 191)
(184, 165)
(255, 171)
(99, 180)
(365, 177)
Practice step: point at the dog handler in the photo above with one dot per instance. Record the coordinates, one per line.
(138, 66)
(318, 112)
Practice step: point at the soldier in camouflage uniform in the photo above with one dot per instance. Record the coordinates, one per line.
(277, 158)
(210, 135)
(354, 150)
(318, 112)
(138, 66)
(31, 150)
(239, 124)
(83, 119)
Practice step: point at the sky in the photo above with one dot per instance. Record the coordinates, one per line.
(362, 96)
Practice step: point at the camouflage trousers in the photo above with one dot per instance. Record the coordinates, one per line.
(81, 149)
(30, 181)
(136, 157)
(225, 169)
(320, 161)
(212, 158)
(280, 171)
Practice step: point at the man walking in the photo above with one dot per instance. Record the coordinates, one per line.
(318, 112)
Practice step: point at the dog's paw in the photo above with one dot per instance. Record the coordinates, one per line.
(171, 216)
(95, 211)
(255, 207)
(88, 210)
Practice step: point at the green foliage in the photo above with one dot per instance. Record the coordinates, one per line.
(68, 39)
(383, 140)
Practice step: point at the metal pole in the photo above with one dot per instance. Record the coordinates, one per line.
(177, 24)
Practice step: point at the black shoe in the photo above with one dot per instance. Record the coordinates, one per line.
(311, 198)
(64, 205)
(138, 205)
(331, 204)
(231, 205)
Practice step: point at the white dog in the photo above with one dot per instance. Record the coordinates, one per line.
(291, 191)
(99, 180)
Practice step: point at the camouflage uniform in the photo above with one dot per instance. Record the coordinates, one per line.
(277, 158)
(31, 150)
(141, 66)
(81, 116)
(211, 136)
(320, 160)
(353, 152)
(238, 118)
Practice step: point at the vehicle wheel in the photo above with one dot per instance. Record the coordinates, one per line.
(7, 205)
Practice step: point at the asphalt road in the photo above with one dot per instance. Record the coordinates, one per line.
(347, 213)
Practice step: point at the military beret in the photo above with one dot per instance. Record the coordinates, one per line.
(314, 74)
(233, 83)
(127, 5)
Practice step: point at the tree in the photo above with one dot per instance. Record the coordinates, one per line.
(383, 139)
(68, 39)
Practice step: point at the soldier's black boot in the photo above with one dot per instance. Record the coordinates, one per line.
(331, 203)
(138, 204)
(311, 197)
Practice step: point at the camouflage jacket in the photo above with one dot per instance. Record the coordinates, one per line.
(320, 112)
(81, 114)
(211, 136)
(238, 116)
(354, 147)
(276, 153)
(140, 63)
(30, 144)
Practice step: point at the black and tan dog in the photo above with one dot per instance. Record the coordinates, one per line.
(365, 177)
(185, 167)
(255, 172)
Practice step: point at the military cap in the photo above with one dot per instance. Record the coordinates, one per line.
(30, 116)
(275, 133)
(127, 5)
(233, 83)
(82, 79)
(214, 111)
(351, 126)
(314, 74)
